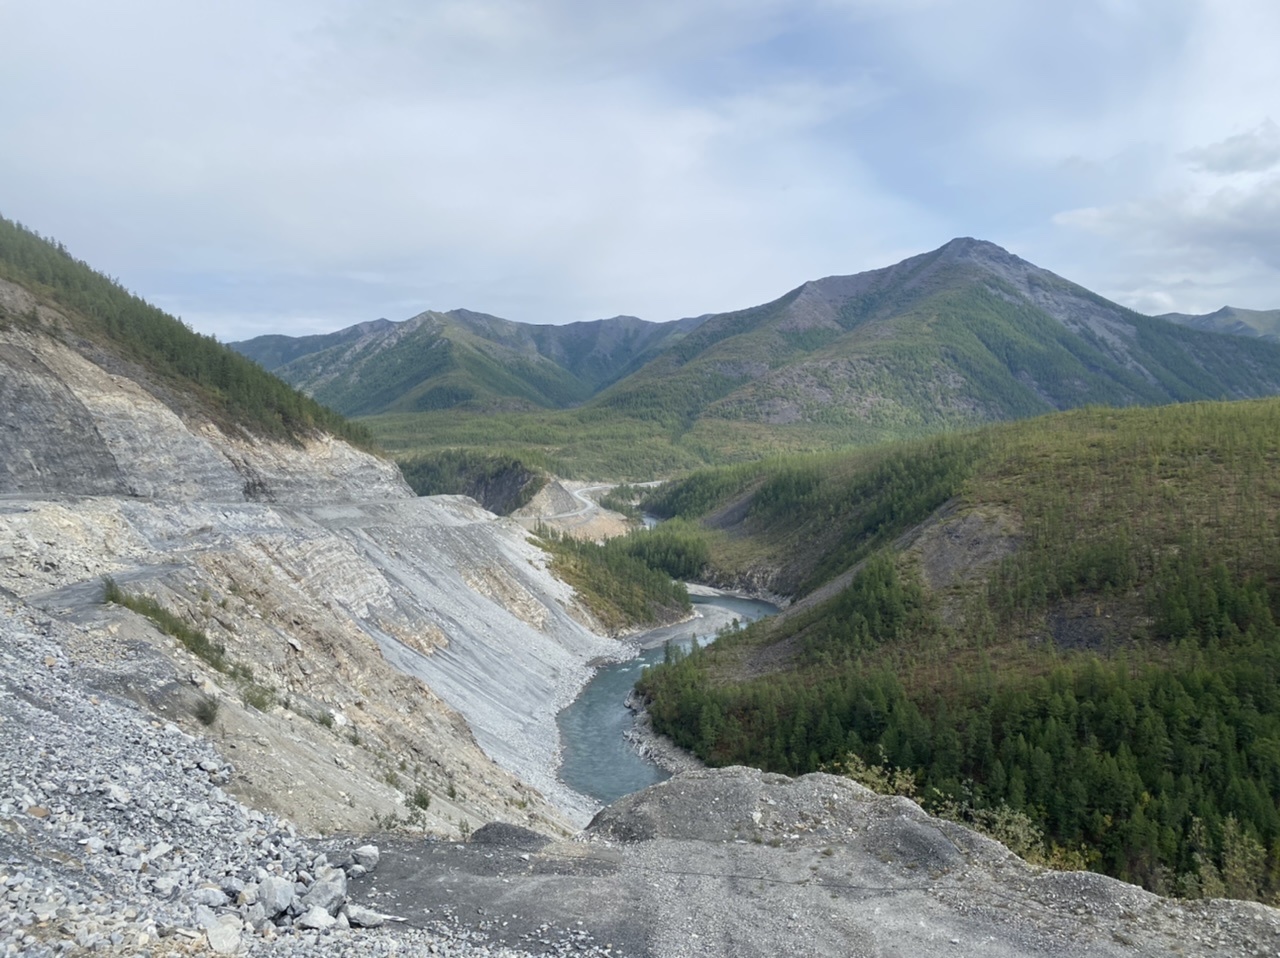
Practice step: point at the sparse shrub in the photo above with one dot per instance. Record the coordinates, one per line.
(193, 639)
(880, 777)
(206, 710)
(258, 696)
(421, 798)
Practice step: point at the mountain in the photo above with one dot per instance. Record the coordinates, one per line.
(268, 577)
(461, 358)
(966, 333)
(1067, 624)
(1262, 323)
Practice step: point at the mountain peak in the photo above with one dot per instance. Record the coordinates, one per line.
(976, 250)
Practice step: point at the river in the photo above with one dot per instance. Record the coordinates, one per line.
(596, 759)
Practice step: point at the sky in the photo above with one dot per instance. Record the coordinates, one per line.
(298, 166)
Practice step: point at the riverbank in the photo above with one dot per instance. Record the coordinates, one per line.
(652, 746)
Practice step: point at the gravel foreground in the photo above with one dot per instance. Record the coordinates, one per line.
(117, 837)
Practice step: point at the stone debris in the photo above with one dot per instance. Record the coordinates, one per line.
(116, 837)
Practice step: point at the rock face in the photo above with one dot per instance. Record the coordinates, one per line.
(412, 642)
(73, 427)
(736, 862)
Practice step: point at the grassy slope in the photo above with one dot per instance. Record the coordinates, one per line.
(198, 369)
(439, 365)
(463, 359)
(1116, 678)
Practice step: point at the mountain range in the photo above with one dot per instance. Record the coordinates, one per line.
(1263, 323)
(966, 333)
(441, 360)
(208, 597)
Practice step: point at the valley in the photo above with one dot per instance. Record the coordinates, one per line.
(239, 652)
(1085, 599)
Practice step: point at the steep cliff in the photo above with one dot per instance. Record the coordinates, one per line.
(421, 638)
(78, 420)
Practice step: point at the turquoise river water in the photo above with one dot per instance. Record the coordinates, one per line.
(596, 759)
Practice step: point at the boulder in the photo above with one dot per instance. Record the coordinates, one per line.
(275, 895)
(316, 918)
(367, 857)
(224, 934)
(361, 917)
(328, 892)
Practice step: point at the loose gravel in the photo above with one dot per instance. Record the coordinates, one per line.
(116, 837)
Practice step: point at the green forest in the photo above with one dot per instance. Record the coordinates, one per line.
(235, 390)
(628, 582)
(502, 483)
(1112, 674)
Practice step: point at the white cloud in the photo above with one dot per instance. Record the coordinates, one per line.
(327, 161)
(1254, 151)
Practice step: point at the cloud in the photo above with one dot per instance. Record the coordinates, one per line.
(322, 162)
(1225, 222)
(1193, 249)
(1256, 151)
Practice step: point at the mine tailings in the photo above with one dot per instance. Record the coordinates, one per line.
(596, 759)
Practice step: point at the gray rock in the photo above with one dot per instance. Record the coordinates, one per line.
(361, 917)
(224, 935)
(210, 895)
(328, 892)
(367, 856)
(316, 918)
(275, 895)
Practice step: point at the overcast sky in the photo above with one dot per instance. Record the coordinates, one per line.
(297, 166)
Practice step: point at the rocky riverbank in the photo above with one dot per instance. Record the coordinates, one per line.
(651, 746)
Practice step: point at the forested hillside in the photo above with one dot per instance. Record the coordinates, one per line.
(462, 359)
(960, 336)
(1070, 621)
(191, 370)
(500, 483)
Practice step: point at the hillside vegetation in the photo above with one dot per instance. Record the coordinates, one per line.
(1071, 619)
(1262, 323)
(462, 359)
(500, 483)
(964, 335)
(187, 367)
(628, 582)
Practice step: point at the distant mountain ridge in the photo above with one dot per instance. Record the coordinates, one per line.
(439, 360)
(1262, 323)
(964, 334)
